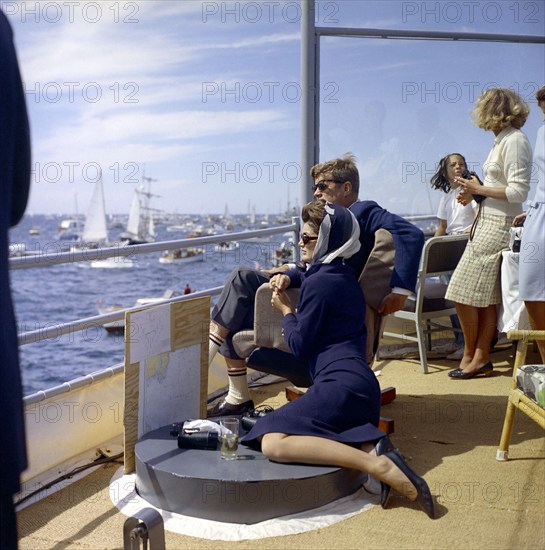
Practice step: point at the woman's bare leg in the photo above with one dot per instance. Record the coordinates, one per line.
(318, 450)
(486, 330)
(469, 321)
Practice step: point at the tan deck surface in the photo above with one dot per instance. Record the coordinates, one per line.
(448, 429)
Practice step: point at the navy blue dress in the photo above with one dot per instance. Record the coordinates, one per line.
(343, 403)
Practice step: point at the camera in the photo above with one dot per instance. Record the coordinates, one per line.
(467, 175)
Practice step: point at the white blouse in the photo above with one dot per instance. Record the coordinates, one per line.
(508, 165)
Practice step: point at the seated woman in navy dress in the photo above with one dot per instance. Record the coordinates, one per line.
(335, 422)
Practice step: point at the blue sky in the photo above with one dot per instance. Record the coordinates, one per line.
(204, 97)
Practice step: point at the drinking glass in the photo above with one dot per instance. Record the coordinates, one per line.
(229, 439)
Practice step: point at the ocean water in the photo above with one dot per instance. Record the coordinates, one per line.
(48, 296)
(45, 297)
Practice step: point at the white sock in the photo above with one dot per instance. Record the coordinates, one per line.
(214, 343)
(238, 386)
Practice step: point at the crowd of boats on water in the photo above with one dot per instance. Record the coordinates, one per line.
(145, 224)
(93, 231)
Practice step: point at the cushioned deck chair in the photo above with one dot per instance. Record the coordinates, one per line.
(527, 393)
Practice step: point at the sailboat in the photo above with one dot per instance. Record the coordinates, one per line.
(140, 225)
(95, 230)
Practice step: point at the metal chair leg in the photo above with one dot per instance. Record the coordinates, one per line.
(146, 524)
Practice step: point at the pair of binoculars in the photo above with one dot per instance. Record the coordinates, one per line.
(195, 439)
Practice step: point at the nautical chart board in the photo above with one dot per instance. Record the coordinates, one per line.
(166, 367)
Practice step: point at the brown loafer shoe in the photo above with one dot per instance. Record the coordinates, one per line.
(222, 408)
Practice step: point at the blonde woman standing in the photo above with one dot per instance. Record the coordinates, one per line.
(475, 285)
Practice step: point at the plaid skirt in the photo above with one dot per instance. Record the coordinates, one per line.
(476, 280)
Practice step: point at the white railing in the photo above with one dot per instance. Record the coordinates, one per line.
(90, 254)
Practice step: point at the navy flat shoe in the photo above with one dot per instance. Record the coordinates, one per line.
(384, 446)
(459, 374)
(424, 496)
(385, 493)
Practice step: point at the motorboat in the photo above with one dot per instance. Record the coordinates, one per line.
(182, 256)
(119, 326)
(225, 246)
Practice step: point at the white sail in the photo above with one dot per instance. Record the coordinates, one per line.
(151, 229)
(95, 230)
(133, 223)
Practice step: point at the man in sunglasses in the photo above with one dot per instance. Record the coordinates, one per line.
(336, 181)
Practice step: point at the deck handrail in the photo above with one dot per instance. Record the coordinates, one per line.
(60, 329)
(85, 323)
(88, 253)
(40, 260)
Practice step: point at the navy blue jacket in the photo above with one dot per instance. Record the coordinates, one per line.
(408, 242)
(14, 187)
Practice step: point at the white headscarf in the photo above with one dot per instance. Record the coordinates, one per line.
(339, 235)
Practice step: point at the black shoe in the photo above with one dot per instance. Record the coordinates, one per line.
(459, 374)
(383, 446)
(222, 408)
(424, 497)
(385, 492)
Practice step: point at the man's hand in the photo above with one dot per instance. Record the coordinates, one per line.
(392, 302)
(279, 282)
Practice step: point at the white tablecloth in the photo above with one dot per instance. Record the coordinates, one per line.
(512, 313)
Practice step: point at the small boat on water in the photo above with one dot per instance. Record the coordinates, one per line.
(121, 262)
(284, 254)
(95, 232)
(34, 231)
(119, 326)
(17, 249)
(230, 246)
(182, 256)
(69, 230)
